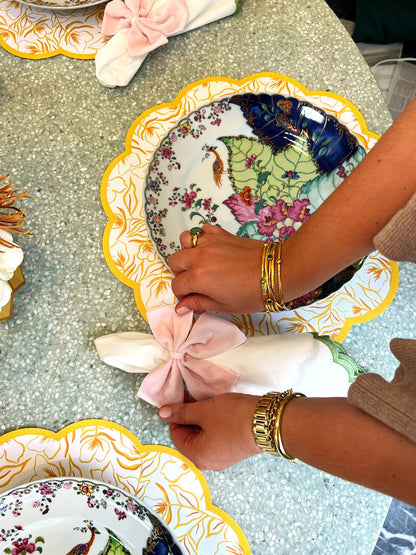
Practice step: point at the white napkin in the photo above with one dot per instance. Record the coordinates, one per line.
(116, 67)
(10, 260)
(302, 362)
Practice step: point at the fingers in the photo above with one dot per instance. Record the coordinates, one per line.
(196, 303)
(186, 240)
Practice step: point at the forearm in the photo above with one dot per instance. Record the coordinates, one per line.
(334, 436)
(342, 230)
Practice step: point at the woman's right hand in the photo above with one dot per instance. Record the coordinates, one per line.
(222, 273)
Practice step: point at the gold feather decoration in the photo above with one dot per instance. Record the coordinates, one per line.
(11, 217)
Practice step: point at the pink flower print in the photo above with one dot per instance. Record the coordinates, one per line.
(157, 219)
(217, 109)
(130, 506)
(250, 160)
(23, 546)
(206, 203)
(188, 198)
(45, 489)
(216, 121)
(152, 200)
(173, 137)
(341, 172)
(170, 167)
(86, 489)
(67, 485)
(36, 504)
(166, 152)
(268, 218)
(121, 514)
(299, 211)
(242, 211)
(198, 117)
(185, 128)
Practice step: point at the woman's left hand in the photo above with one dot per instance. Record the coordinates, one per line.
(216, 433)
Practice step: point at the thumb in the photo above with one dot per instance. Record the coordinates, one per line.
(187, 414)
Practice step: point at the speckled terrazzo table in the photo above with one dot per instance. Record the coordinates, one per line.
(59, 131)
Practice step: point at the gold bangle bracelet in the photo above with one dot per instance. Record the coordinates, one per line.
(264, 421)
(284, 306)
(277, 432)
(269, 259)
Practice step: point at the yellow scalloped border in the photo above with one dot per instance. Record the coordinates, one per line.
(142, 449)
(365, 137)
(56, 20)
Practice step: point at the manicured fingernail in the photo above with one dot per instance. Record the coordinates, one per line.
(165, 412)
(182, 310)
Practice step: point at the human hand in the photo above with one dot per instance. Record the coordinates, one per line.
(221, 274)
(216, 433)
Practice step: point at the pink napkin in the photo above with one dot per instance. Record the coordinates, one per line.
(139, 26)
(148, 28)
(189, 345)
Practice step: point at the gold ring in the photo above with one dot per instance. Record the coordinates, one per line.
(196, 233)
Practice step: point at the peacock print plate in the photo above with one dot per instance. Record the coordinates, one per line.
(256, 157)
(256, 164)
(62, 516)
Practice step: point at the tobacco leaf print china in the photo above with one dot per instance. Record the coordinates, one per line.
(98, 520)
(256, 164)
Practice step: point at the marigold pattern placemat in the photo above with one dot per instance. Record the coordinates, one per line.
(133, 258)
(35, 33)
(158, 476)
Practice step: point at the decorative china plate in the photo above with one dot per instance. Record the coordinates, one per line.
(68, 515)
(97, 451)
(61, 4)
(257, 157)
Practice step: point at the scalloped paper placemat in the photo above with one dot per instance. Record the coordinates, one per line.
(160, 477)
(35, 33)
(132, 257)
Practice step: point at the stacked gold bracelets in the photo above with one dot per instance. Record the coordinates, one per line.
(271, 260)
(267, 422)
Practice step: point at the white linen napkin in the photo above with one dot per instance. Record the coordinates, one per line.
(307, 363)
(10, 260)
(116, 65)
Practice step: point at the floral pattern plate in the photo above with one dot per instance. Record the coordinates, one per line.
(257, 157)
(68, 515)
(159, 478)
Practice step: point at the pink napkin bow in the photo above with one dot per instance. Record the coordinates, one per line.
(148, 28)
(189, 346)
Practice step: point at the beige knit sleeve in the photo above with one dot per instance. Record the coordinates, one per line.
(394, 403)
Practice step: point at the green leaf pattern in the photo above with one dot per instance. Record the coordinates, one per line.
(254, 165)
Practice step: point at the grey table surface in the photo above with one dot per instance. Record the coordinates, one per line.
(59, 130)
